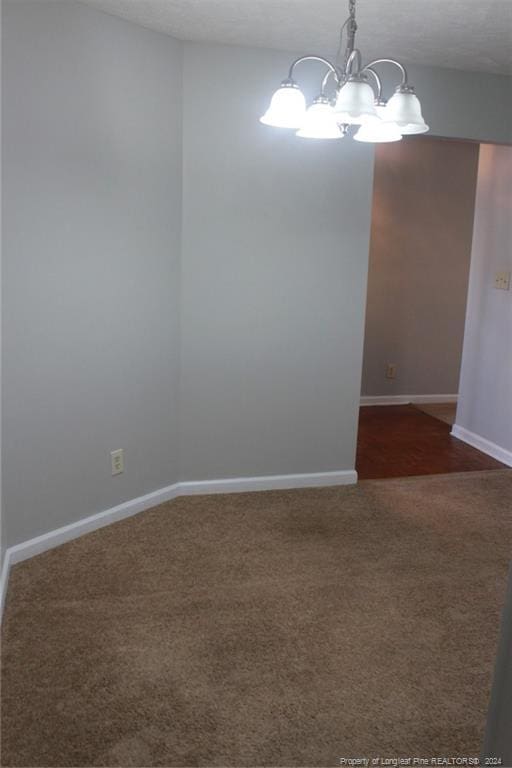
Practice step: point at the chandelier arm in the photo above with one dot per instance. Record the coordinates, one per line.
(332, 68)
(389, 61)
(355, 55)
(378, 81)
(326, 80)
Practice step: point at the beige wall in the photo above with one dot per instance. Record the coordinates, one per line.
(423, 201)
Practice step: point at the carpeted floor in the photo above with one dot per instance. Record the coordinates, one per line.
(285, 628)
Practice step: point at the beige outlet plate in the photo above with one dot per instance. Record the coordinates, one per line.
(117, 461)
(502, 281)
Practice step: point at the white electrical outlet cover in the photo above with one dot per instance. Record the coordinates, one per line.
(502, 281)
(117, 461)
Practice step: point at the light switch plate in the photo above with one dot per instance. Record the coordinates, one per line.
(502, 281)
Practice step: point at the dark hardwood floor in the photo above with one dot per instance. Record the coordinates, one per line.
(400, 440)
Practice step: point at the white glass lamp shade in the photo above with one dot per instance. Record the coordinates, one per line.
(320, 123)
(378, 132)
(287, 107)
(355, 102)
(411, 128)
(404, 109)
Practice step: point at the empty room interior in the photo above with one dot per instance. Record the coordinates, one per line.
(256, 406)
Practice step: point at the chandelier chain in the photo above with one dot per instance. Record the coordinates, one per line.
(351, 30)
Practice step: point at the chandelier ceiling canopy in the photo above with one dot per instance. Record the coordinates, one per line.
(350, 94)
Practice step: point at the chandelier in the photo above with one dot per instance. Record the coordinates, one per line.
(347, 98)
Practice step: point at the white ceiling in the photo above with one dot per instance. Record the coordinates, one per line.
(464, 34)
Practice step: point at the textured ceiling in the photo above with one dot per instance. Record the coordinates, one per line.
(463, 34)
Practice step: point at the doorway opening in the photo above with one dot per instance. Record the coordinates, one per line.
(420, 251)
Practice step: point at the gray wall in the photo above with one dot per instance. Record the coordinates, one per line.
(422, 224)
(485, 402)
(274, 264)
(92, 220)
(461, 105)
(275, 243)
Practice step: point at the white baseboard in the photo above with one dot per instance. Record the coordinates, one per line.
(4, 580)
(268, 483)
(484, 445)
(406, 399)
(39, 544)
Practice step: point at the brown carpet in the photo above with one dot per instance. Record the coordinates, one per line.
(275, 629)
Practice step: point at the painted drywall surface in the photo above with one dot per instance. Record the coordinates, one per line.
(274, 265)
(275, 251)
(485, 403)
(92, 167)
(92, 220)
(422, 225)
(457, 104)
